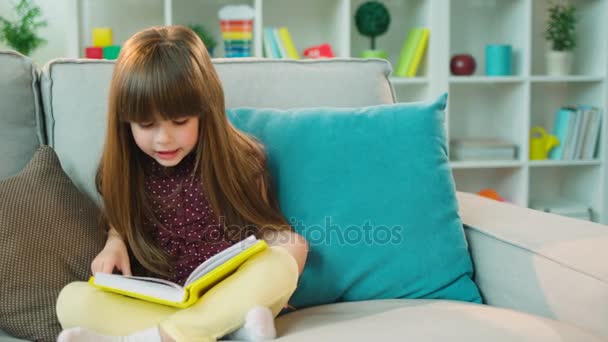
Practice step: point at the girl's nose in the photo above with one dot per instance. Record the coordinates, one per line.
(163, 135)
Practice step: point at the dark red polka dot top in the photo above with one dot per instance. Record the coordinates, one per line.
(184, 224)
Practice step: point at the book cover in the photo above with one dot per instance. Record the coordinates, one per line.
(269, 36)
(561, 124)
(290, 48)
(482, 149)
(279, 43)
(586, 114)
(418, 53)
(593, 133)
(267, 45)
(573, 132)
(407, 51)
(205, 276)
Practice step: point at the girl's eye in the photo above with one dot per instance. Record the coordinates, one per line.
(146, 124)
(180, 122)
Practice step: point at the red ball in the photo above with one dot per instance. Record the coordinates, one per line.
(462, 65)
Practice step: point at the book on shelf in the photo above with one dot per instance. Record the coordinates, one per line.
(462, 149)
(578, 130)
(205, 276)
(413, 50)
(412, 69)
(570, 209)
(290, 48)
(277, 43)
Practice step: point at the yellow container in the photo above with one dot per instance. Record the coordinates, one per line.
(102, 36)
(541, 143)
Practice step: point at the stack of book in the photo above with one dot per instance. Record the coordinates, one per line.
(578, 130)
(482, 149)
(412, 52)
(278, 43)
(568, 209)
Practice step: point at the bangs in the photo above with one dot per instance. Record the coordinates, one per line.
(161, 84)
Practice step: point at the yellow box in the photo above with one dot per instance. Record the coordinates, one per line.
(102, 36)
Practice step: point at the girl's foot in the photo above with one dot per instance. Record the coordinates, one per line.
(259, 326)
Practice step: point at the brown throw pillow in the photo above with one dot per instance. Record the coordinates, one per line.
(49, 234)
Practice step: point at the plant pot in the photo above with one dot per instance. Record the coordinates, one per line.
(374, 54)
(559, 63)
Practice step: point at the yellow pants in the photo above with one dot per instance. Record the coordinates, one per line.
(268, 279)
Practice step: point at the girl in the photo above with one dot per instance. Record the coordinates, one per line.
(179, 183)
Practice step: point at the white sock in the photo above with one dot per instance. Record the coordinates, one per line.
(259, 326)
(85, 335)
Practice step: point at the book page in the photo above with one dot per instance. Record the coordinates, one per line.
(152, 287)
(220, 258)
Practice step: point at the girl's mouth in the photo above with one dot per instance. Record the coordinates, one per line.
(167, 154)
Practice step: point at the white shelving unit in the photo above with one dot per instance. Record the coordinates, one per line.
(479, 106)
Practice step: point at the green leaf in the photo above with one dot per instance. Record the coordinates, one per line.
(22, 33)
(560, 30)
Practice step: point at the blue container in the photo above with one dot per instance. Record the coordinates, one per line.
(498, 60)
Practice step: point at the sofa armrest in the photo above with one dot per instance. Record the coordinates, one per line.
(539, 263)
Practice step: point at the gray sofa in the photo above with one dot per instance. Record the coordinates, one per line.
(542, 277)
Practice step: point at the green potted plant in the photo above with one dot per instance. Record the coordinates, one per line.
(21, 34)
(205, 36)
(561, 35)
(372, 19)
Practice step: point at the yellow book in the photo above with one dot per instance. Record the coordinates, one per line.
(418, 53)
(407, 51)
(292, 52)
(205, 276)
(237, 35)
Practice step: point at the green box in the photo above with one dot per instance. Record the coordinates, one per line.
(111, 52)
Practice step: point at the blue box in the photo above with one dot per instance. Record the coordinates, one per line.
(498, 60)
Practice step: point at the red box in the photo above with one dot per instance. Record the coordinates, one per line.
(319, 51)
(94, 52)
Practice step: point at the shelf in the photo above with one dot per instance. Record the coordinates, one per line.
(510, 183)
(547, 98)
(551, 163)
(589, 55)
(486, 164)
(481, 111)
(405, 15)
(486, 79)
(476, 23)
(575, 185)
(311, 22)
(499, 107)
(117, 15)
(566, 79)
(409, 81)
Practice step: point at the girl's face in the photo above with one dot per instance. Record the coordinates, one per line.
(167, 141)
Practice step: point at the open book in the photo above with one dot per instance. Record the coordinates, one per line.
(207, 274)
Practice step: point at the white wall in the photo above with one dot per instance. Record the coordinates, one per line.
(61, 19)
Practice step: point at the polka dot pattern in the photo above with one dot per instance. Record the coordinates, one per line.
(184, 225)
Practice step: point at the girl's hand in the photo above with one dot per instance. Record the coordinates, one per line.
(114, 255)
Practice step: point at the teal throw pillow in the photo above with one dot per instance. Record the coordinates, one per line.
(372, 192)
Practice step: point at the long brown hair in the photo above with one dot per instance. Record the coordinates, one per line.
(167, 71)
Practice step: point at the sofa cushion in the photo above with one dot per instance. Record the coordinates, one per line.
(20, 130)
(75, 99)
(371, 190)
(4, 337)
(422, 320)
(49, 234)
